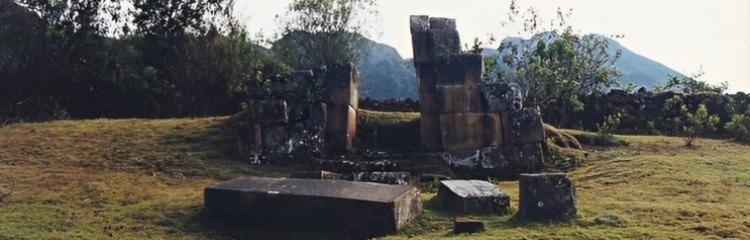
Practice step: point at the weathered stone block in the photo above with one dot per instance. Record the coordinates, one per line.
(419, 23)
(340, 130)
(428, 103)
(523, 126)
(437, 23)
(430, 133)
(467, 225)
(375, 209)
(444, 42)
(548, 196)
(270, 111)
(398, 178)
(502, 162)
(459, 98)
(500, 97)
(422, 47)
(472, 196)
(317, 174)
(339, 84)
(469, 130)
(290, 84)
(459, 69)
(531, 158)
(426, 78)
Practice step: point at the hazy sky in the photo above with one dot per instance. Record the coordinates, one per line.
(682, 34)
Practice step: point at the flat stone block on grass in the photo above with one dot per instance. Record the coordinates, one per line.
(472, 196)
(467, 225)
(369, 208)
(546, 197)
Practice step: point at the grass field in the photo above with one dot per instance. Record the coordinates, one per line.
(144, 179)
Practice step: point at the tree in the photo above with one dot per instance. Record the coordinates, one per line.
(554, 67)
(697, 123)
(322, 32)
(691, 84)
(137, 58)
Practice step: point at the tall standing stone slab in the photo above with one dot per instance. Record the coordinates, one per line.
(371, 208)
(472, 196)
(546, 197)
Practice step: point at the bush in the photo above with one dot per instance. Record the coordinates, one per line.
(739, 126)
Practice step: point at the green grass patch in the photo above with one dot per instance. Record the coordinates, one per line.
(144, 179)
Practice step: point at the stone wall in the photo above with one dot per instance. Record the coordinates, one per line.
(310, 112)
(476, 126)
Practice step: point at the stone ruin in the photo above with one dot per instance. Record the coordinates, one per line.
(311, 112)
(479, 128)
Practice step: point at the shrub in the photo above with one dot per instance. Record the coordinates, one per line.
(739, 126)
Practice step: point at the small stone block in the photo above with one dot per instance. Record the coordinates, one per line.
(459, 69)
(397, 178)
(472, 196)
(467, 225)
(546, 197)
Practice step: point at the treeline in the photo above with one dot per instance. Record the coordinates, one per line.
(149, 58)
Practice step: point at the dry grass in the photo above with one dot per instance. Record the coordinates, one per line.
(143, 179)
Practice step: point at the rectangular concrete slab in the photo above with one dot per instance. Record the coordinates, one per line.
(350, 206)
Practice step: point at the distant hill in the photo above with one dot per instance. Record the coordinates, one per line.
(636, 68)
(385, 74)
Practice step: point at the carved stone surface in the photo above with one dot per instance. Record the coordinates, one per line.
(545, 197)
(376, 209)
(472, 196)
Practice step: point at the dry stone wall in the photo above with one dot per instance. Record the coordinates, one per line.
(477, 126)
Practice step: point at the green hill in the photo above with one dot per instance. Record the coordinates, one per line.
(144, 179)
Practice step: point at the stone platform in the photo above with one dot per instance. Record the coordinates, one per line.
(370, 208)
